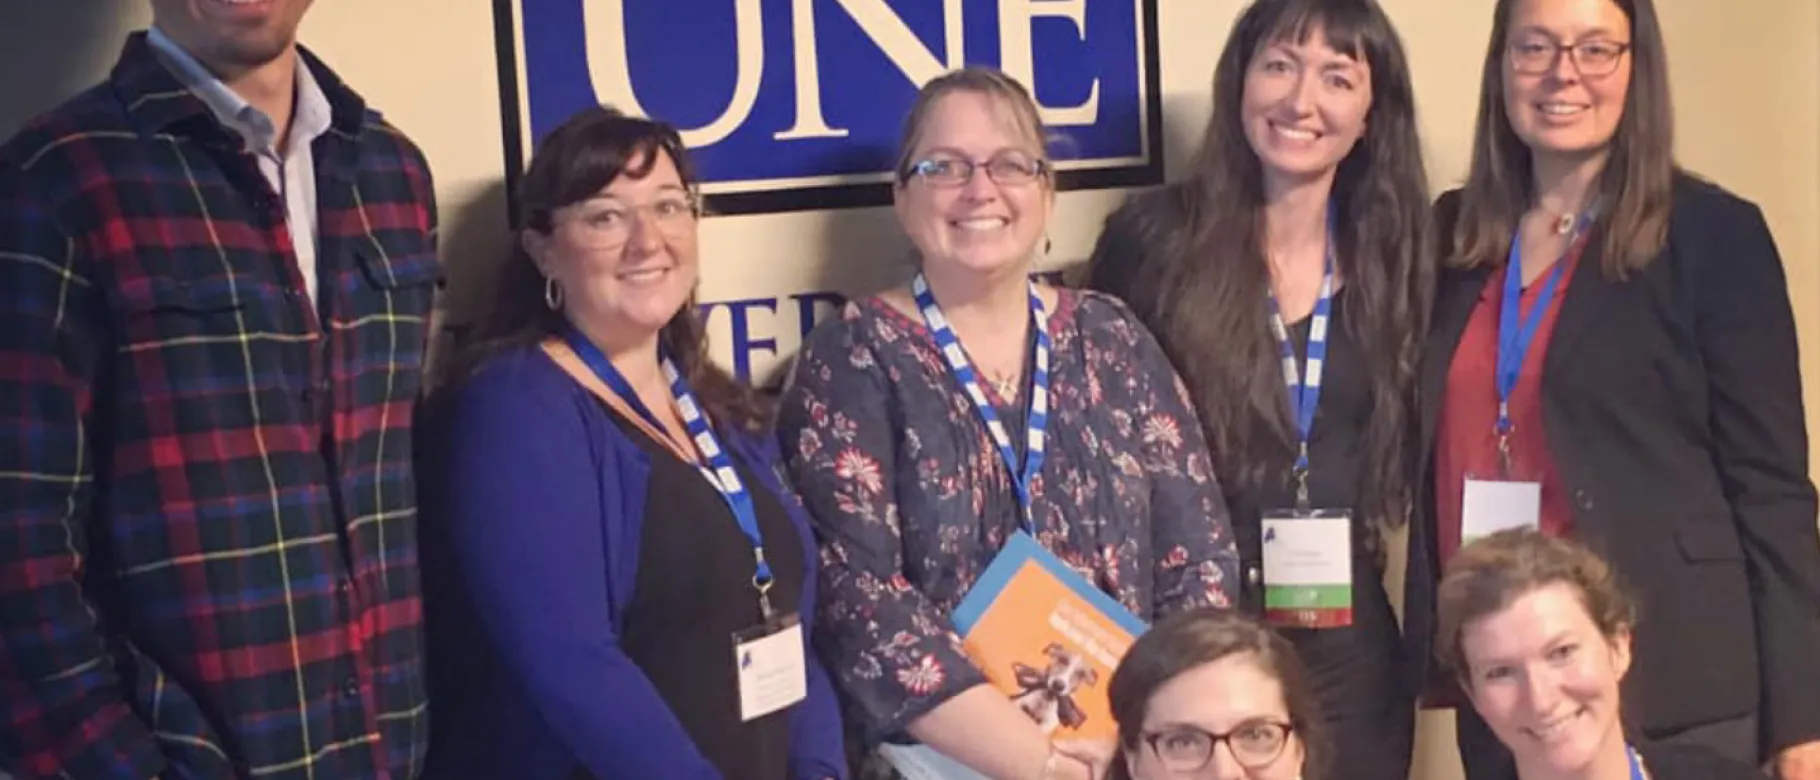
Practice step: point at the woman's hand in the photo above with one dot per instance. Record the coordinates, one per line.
(1095, 756)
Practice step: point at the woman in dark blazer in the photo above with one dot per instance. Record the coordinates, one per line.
(1658, 402)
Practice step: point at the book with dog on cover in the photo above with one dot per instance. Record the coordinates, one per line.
(1044, 636)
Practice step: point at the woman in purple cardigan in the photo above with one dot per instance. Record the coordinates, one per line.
(617, 583)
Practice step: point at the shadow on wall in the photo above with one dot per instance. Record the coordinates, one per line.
(475, 241)
(50, 51)
(1185, 120)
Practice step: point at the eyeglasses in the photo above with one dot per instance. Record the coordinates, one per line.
(1255, 743)
(1009, 169)
(609, 225)
(1536, 56)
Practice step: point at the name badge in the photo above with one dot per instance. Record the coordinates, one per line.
(1308, 568)
(772, 673)
(1493, 505)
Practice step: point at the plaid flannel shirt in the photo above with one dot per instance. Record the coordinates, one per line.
(208, 562)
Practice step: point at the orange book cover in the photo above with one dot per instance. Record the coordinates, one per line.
(1047, 638)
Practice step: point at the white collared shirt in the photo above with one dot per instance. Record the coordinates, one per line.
(291, 171)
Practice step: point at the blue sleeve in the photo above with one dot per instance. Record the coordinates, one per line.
(817, 746)
(526, 520)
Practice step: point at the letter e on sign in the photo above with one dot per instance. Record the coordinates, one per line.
(793, 105)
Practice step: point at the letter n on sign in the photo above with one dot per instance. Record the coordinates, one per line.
(790, 105)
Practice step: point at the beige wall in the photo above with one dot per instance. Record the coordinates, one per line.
(1748, 115)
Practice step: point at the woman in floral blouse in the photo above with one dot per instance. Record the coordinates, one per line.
(909, 488)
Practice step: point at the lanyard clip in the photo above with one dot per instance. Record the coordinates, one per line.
(762, 582)
(1504, 429)
(1300, 473)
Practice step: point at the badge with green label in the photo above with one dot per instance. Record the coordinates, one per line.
(1308, 568)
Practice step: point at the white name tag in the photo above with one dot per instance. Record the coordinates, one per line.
(1308, 569)
(772, 674)
(1491, 506)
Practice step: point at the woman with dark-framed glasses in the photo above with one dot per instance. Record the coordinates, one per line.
(1612, 359)
(930, 423)
(1216, 695)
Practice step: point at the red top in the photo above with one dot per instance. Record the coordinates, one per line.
(1467, 441)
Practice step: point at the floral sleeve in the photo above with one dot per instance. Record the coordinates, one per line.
(893, 653)
(1197, 561)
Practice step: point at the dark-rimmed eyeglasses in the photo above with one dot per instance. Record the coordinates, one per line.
(1255, 744)
(1010, 169)
(1537, 56)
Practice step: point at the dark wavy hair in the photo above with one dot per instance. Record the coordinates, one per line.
(575, 162)
(1636, 188)
(1189, 639)
(1205, 296)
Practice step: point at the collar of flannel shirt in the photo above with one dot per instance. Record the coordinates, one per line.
(142, 72)
(311, 115)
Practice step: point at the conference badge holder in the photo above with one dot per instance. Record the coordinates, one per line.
(773, 673)
(1307, 565)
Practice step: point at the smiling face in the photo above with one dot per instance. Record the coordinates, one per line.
(1545, 678)
(626, 258)
(1304, 108)
(231, 35)
(992, 220)
(1566, 102)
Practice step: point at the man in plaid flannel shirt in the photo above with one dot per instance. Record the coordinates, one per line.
(216, 274)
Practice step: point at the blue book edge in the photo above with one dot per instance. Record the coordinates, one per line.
(1021, 548)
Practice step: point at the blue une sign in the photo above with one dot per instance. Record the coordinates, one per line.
(798, 104)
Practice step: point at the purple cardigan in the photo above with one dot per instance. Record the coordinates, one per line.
(534, 500)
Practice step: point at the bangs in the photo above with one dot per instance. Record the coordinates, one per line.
(579, 159)
(597, 165)
(1346, 25)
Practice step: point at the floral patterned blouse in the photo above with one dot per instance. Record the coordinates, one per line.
(911, 498)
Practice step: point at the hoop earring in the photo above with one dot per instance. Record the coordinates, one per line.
(552, 294)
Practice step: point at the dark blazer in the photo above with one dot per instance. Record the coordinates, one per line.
(1672, 404)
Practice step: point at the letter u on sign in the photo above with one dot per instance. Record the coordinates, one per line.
(797, 104)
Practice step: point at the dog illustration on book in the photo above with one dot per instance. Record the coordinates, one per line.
(1047, 694)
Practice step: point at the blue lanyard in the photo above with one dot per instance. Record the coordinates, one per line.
(719, 470)
(1036, 415)
(1514, 337)
(1636, 764)
(1305, 386)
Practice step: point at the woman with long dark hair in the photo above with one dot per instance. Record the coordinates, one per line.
(1289, 280)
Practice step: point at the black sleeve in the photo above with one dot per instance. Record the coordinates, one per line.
(1746, 330)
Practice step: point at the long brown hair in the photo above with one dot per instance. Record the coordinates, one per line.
(573, 163)
(1189, 639)
(1635, 190)
(1204, 296)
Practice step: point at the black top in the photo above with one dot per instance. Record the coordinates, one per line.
(1334, 445)
(693, 592)
(1129, 242)
(1672, 403)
